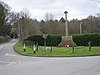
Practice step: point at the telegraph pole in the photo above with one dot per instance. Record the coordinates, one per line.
(80, 27)
(19, 30)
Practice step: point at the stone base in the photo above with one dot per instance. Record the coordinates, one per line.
(67, 40)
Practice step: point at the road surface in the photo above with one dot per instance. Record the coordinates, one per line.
(12, 63)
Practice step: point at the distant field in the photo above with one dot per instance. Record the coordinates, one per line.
(59, 51)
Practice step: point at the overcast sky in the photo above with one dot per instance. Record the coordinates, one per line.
(76, 8)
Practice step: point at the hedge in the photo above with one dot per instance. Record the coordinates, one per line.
(51, 40)
(84, 39)
(54, 40)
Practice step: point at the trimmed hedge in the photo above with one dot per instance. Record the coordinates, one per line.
(54, 40)
(83, 39)
(51, 40)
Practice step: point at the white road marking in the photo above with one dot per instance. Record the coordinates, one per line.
(3, 45)
(7, 62)
(7, 54)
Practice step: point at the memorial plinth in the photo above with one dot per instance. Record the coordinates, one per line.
(67, 40)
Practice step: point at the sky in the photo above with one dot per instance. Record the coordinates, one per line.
(38, 8)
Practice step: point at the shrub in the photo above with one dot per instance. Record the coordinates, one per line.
(83, 39)
(51, 40)
(36, 39)
(4, 39)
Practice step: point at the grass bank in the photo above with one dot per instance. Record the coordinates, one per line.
(59, 51)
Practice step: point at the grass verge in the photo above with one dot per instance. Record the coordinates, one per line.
(58, 51)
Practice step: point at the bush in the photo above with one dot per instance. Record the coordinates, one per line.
(51, 40)
(83, 39)
(4, 39)
(54, 40)
(36, 39)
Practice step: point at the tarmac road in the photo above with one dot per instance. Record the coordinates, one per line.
(12, 63)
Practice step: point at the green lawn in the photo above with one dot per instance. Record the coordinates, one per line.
(59, 51)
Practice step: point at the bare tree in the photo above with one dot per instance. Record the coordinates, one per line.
(49, 16)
